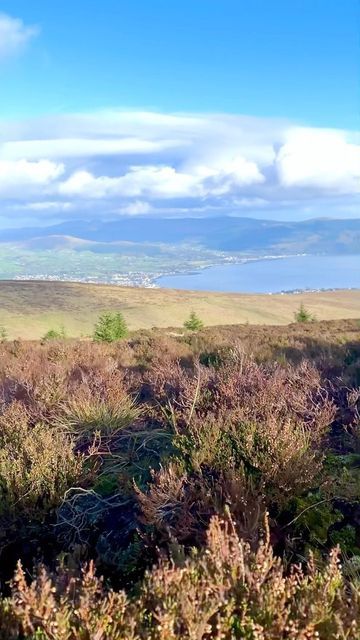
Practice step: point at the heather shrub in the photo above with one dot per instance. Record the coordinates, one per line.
(179, 505)
(272, 419)
(229, 591)
(243, 467)
(352, 436)
(124, 452)
(245, 436)
(46, 395)
(280, 456)
(256, 393)
(225, 591)
(37, 463)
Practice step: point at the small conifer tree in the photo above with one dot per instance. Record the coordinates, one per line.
(110, 327)
(193, 323)
(303, 314)
(55, 334)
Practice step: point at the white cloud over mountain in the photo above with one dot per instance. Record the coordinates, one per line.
(165, 182)
(14, 35)
(144, 162)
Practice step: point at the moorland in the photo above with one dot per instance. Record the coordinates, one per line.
(189, 485)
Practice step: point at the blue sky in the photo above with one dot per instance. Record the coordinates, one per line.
(199, 106)
(295, 59)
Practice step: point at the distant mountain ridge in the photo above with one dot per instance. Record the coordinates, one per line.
(228, 234)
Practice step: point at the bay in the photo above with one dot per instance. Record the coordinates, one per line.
(272, 275)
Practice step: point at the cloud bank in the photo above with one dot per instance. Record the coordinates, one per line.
(14, 35)
(137, 163)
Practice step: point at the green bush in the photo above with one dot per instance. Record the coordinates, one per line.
(110, 327)
(303, 314)
(193, 323)
(55, 334)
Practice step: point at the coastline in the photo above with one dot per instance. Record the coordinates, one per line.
(153, 280)
(147, 280)
(328, 269)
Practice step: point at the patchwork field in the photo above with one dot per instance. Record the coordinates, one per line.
(29, 309)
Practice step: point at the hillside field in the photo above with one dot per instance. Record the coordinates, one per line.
(29, 309)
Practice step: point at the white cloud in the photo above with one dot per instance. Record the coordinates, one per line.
(250, 203)
(48, 206)
(139, 180)
(18, 178)
(84, 184)
(146, 162)
(164, 181)
(136, 208)
(14, 35)
(116, 132)
(321, 159)
(82, 147)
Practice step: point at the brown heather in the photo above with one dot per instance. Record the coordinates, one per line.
(226, 591)
(212, 478)
(37, 464)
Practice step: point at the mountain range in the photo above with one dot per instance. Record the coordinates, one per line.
(227, 234)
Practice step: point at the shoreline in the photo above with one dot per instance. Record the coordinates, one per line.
(140, 279)
(147, 280)
(292, 291)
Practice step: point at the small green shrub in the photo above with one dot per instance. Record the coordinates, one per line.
(303, 315)
(55, 334)
(3, 334)
(193, 323)
(110, 327)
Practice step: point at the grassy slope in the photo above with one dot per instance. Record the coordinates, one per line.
(28, 309)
